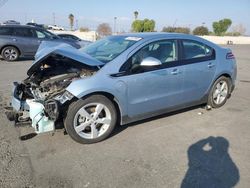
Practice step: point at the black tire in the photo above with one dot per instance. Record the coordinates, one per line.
(76, 106)
(211, 99)
(10, 53)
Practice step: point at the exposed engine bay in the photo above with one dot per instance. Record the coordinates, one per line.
(43, 93)
(53, 76)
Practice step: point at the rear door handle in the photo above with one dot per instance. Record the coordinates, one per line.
(14, 39)
(175, 72)
(210, 65)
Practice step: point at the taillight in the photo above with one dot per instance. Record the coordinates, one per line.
(230, 55)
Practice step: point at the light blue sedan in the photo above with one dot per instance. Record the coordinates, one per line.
(122, 79)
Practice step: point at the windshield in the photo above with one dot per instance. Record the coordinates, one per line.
(107, 49)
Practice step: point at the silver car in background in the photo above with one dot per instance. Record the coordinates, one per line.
(23, 41)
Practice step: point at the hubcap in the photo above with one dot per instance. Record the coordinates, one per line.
(10, 54)
(92, 120)
(220, 92)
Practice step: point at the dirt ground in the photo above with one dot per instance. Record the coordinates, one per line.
(168, 151)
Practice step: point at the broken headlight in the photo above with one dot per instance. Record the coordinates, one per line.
(66, 96)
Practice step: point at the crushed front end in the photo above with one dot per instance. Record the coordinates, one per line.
(42, 98)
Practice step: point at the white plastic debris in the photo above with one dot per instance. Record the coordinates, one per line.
(40, 122)
(200, 113)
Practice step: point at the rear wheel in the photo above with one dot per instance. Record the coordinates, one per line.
(219, 92)
(10, 53)
(91, 120)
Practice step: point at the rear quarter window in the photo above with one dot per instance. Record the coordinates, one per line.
(6, 31)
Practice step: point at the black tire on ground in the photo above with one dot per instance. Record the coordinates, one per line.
(73, 109)
(211, 102)
(10, 53)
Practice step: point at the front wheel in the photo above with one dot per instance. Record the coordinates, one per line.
(219, 92)
(91, 120)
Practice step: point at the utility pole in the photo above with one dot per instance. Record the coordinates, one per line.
(25, 17)
(76, 24)
(175, 22)
(115, 18)
(54, 18)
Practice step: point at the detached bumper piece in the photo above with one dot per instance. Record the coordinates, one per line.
(40, 122)
(22, 111)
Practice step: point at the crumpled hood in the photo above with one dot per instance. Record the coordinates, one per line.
(48, 48)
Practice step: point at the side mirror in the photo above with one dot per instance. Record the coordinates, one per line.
(150, 62)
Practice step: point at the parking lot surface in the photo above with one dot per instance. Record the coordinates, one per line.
(167, 151)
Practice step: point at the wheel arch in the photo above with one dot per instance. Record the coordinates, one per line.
(227, 75)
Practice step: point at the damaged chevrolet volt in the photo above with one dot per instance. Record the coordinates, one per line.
(120, 79)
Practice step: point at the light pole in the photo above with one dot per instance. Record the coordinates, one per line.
(175, 22)
(115, 18)
(76, 24)
(54, 18)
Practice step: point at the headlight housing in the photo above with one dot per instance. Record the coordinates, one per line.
(66, 96)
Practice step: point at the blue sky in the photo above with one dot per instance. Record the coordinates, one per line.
(90, 13)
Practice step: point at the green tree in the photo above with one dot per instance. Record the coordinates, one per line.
(169, 29)
(221, 26)
(71, 21)
(201, 30)
(145, 25)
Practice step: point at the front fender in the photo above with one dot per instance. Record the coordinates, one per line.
(88, 86)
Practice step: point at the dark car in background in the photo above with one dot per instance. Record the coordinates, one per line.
(83, 43)
(23, 41)
(11, 22)
(36, 25)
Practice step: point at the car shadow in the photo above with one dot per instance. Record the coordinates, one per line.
(20, 59)
(121, 128)
(210, 165)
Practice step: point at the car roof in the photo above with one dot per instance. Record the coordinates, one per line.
(20, 26)
(154, 34)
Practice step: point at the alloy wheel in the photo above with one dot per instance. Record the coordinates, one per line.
(92, 120)
(10, 54)
(220, 92)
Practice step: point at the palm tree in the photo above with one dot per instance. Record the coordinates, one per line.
(71, 21)
(136, 14)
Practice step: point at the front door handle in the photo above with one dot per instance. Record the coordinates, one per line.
(175, 71)
(210, 65)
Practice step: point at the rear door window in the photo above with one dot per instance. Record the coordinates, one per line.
(193, 50)
(23, 32)
(6, 31)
